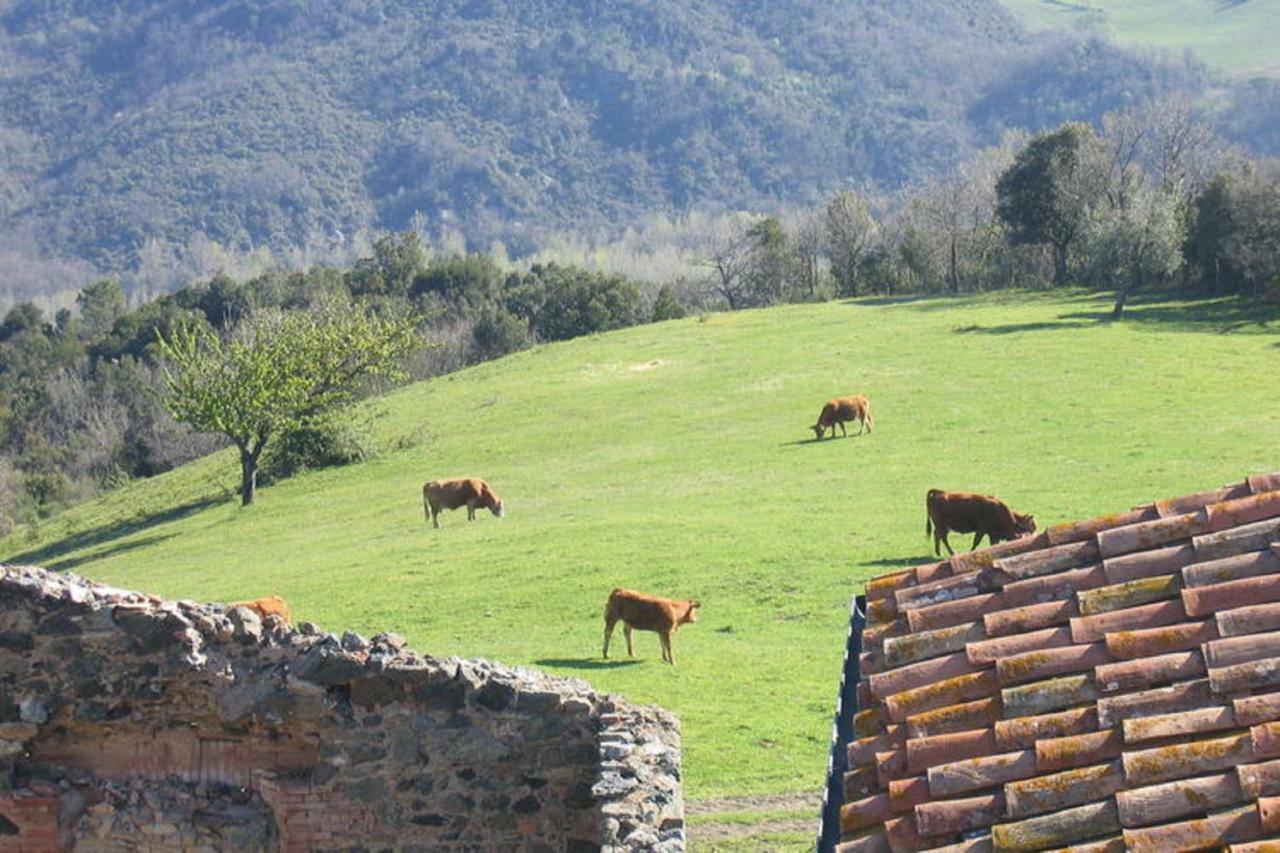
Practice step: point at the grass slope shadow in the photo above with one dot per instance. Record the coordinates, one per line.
(48, 555)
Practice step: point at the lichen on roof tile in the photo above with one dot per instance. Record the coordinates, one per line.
(1106, 683)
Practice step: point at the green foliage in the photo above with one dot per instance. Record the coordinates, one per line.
(1043, 197)
(565, 302)
(497, 332)
(666, 306)
(1235, 240)
(277, 372)
(100, 305)
(324, 442)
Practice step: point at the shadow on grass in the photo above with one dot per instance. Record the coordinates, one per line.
(901, 562)
(586, 663)
(48, 555)
(1222, 315)
(805, 442)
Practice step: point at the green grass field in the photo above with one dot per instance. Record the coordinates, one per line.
(1235, 36)
(676, 458)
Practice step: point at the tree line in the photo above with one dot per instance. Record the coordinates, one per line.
(1145, 199)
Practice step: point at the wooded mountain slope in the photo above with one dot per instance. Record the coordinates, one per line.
(138, 133)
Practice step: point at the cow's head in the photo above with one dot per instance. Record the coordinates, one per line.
(1024, 523)
(691, 613)
(497, 508)
(817, 430)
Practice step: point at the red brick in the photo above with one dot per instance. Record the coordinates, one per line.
(950, 613)
(1049, 560)
(1241, 511)
(1197, 721)
(1149, 672)
(962, 688)
(1090, 629)
(1145, 564)
(1083, 530)
(1029, 618)
(1191, 503)
(906, 794)
(1251, 710)
(1147, 642)
(1048, 588)
(1233, 650)
(948, 817)
(1158, 700)
(1238, 567)
(1182, 760)
(1240, 677)
(913, 648)
(863, 750)
(1046, 663)
(1023, 732)
(987, 651)
(1241, 824)
(1178, 799)
(1261, 779)
(885, 585)
(923, 753)
(1146, 535)
(920, 674)
(1064, 753)
(950, 589)
(864, 813)
(1068, 788)
(1206, 600)
(1253, 619)
(955, 718)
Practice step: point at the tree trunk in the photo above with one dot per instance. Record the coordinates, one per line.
(953, 271)
(1060, 264)
(1122, 295)
(248, 475)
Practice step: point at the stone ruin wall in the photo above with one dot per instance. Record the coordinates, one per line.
(128, 722)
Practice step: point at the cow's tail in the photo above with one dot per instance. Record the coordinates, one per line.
(426, 501)
(928, 514)
(867, 414)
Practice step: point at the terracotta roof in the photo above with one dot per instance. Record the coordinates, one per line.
(1108, 684)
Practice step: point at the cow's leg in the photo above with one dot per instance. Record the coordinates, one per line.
(844, 433)
(667, 655)
(941, 536)
(977, 537)
(471, 512)
(608, 632)
(435, 516)
(626, 632)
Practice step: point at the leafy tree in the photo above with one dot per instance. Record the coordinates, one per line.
(849, 227)
(666, 306)
(1045, 196)
(397, 259)
(1136, 243)
(278, 372)
(100, 304)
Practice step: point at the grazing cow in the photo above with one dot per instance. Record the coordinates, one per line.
(968, 513)
(647, 613)
(470, 492)
(271, 605)
(841, 409)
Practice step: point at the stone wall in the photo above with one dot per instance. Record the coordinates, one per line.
(132, 723)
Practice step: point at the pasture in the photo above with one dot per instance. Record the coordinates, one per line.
(678, 459)
(1235, 36)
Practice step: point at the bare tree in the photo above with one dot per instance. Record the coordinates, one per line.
(850, 229)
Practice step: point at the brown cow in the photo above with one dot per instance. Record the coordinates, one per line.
(470, 492)
(271, 605)
(840, 409)
(969, 513)
(647, 613)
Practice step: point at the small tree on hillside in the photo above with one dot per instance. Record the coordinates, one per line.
(277, 373)
(1137, 243)
(1046, 195)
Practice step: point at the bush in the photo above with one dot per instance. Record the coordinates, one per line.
(322, 444)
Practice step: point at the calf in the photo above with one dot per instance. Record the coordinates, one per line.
(471, 492)
(647, 613)
(980, 515)
(271, 605)
(840, 409)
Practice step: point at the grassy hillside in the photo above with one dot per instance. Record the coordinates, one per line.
(1237, 36)
(676, 458)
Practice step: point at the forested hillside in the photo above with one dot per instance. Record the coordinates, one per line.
(149, 140)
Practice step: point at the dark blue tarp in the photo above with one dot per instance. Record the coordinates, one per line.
(842, 731)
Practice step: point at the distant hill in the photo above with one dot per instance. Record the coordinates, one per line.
(1236, 36)
(146, 139)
